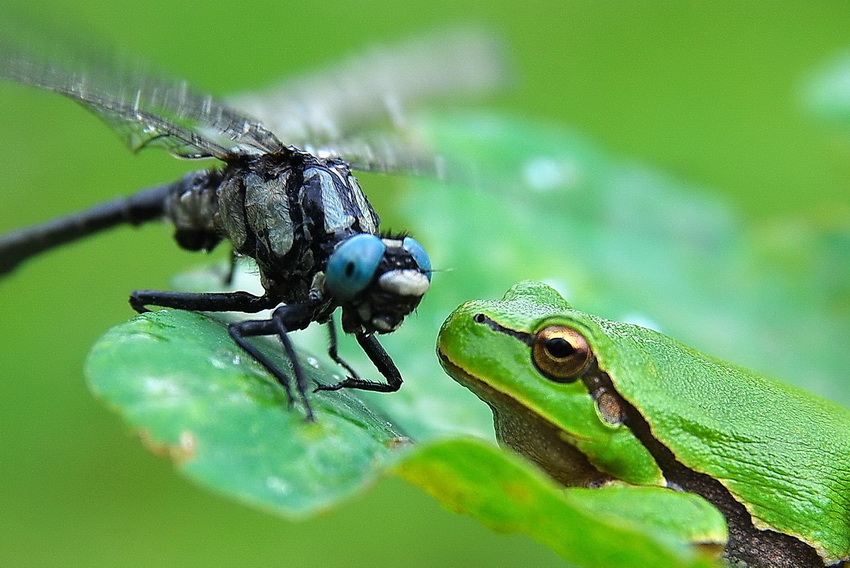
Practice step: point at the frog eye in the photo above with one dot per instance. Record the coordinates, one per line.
(561, 353)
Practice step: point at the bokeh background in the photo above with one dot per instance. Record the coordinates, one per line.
(707, 91)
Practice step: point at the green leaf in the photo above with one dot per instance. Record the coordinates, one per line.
(507, 495)
(179, 380)
(826, 93)
(631, 243)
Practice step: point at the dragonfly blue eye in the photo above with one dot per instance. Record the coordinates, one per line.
(419, 255)
(352, 265)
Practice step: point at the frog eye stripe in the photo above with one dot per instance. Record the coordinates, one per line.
(526, 338)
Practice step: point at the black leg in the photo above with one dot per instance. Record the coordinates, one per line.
(239, 331)
(283, 320)
(332, 351)
(382, 362)
(203, 302)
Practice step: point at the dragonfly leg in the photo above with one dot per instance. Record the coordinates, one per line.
(231, 270)
(284, 319)
(333, 351)
(382, 362)
(277, 325)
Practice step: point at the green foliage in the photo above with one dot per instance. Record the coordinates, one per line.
(191, 395)
(179, 380)
(703, 88)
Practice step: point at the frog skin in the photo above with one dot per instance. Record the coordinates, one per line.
(595, 402)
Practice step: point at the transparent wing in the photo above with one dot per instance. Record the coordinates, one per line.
(145, 111)
(384, 151)
(357, 110)
(329, 112)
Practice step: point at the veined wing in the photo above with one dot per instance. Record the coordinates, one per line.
(144, 111)
(356, 110)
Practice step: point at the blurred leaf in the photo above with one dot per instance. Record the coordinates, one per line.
(631, 243)
(826, 93)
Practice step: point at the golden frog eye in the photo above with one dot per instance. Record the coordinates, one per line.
(561, 353)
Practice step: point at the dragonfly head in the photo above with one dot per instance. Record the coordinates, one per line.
(377, 280)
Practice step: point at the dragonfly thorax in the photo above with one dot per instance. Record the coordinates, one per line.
(312, 232)
(286, 210)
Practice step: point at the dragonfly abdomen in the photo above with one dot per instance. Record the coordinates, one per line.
(141, 207)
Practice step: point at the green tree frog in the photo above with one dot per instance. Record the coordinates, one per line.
(597, 403)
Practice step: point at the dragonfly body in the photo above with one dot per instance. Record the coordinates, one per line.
(290, 211)
(301, 216)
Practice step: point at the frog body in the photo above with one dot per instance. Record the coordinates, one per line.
(595, 402)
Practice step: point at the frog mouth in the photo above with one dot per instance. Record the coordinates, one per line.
(521, 429)
(495, 398)
(481, 389)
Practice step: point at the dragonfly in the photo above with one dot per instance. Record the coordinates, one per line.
(295, 208)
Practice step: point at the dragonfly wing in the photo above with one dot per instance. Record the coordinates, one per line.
(144, 111)
(385, 152)
(326, 110)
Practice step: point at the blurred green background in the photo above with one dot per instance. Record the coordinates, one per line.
(707, 91)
